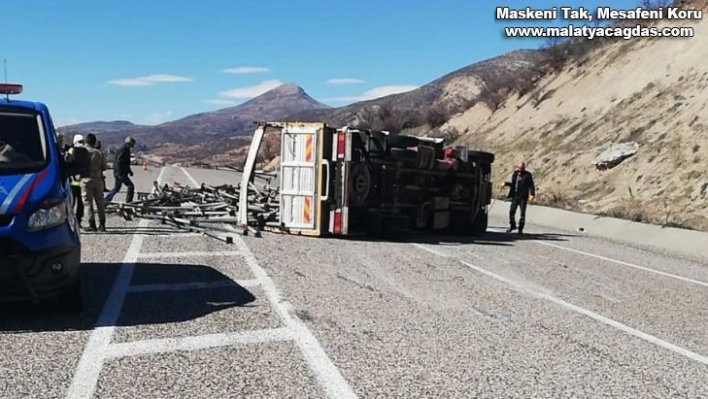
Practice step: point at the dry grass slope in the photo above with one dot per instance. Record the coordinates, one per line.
(652, 92)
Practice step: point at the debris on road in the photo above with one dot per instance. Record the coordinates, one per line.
(206, 209)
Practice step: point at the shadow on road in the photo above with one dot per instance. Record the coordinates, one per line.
(139, 308)
(495, 236)
(147, 231)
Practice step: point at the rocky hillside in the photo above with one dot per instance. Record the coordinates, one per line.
(431, 104)
(649, 92)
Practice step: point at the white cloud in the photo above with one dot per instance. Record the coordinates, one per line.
(150, 80)
(251, 91)
(377, 92)
(221, 102)
(245, 70)
(158, 117)
(344, 81)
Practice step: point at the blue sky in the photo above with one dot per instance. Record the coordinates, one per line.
(151, 61)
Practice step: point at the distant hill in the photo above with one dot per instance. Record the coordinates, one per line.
(100, 127)
(446, 96)
(201, 136)
(209, 126)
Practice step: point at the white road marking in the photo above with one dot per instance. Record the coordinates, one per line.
(169, 345)
(627, 329)
(192, 286)
(619, 262)
(432, 251)
(89, 368)
(189, 176)
(610, 322)
(91, 363)
(326, 372)
(193, 254)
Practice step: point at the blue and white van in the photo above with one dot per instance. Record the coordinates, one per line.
(40, 243)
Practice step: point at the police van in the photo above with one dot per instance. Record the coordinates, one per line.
(40, 246)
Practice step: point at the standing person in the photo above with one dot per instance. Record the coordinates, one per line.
(521, 191)
(103, 175)
(76, 181)
(121, 171)
(91, 186)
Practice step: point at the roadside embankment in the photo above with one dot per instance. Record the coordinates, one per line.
(688, 242)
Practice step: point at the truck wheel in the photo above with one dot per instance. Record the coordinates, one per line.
(481, 156)
(360, 183)
(480, 223)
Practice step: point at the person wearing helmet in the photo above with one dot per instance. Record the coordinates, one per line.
(122, 171)
(76, 181)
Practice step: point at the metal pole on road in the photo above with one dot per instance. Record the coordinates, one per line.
(247, 172)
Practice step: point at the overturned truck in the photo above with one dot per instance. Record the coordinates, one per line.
(345, 181)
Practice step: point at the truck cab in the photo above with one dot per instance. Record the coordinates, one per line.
(40, 245)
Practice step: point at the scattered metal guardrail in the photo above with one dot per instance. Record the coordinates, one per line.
(206, 209)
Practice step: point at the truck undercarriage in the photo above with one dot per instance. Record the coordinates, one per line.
(402, 183)
(343, 181)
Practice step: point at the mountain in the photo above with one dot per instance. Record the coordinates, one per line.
(100, 127)
(219, 125)
(277, 103)
(447, 95)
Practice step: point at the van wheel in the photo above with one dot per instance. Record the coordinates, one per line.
(73, 299)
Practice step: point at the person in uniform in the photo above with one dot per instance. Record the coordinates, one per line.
(92, 186)
(76, 182)
(521, 191)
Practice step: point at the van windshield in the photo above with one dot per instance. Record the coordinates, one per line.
(22, 144)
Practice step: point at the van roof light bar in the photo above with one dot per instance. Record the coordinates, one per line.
(10, 88)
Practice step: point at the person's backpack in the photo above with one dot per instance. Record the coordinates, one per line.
(81, 161)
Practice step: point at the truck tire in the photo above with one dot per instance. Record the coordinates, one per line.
(360, 183)
(481, 156)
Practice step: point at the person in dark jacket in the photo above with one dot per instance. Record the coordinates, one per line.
(522, 190)
(122, 171)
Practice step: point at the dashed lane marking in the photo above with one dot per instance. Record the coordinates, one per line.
(595, 316)
(619, 262)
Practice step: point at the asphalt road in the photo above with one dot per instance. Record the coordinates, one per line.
(552, 315)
